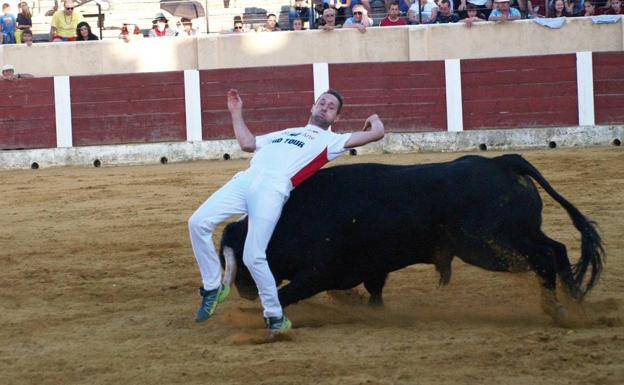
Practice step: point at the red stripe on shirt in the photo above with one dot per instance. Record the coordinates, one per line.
(309, 169)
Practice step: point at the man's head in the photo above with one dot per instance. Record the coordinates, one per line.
(472, 10)
(27, 37)
(329, 16)
(503, 5)
(187, 24)
(6, 7)
(160, 21)
(297, 25)
(358, 13)
(616, 5)
(393, 11)
(445, 7)
(271, 21)
(238, 24)
(326, 109)
(69, 7)
(8, 70)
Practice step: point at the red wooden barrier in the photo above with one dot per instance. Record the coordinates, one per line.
(274, 98)
(128, 108)
(27, 116)
(518, 92)
(609, 87)
(408, 96)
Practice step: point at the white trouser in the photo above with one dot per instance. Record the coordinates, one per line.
(261, 195)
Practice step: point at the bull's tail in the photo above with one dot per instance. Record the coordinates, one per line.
(592, 251)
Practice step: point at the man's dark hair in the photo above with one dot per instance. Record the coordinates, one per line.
(27, 32)
(271, 14)
(337, 95)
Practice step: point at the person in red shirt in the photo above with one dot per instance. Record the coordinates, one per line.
(615, 9)
(393, 19)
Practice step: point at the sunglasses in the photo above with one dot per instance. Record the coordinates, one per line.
(357, 13)
(238, 27)
(69, 8)
(330, 15)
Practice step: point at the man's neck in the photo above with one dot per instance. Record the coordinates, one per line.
(393, 18)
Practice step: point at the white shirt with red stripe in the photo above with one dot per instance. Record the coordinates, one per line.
(298, 153)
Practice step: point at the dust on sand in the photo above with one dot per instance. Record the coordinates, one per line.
(99, 285)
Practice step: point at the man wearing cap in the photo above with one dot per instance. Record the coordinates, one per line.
(64, 23)
(504, 12)
(161, 28)
(8, 73)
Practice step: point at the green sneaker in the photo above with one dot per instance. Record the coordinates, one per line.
(278, 324)
(210, 299)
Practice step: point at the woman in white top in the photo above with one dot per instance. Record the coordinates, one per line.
(428, 12)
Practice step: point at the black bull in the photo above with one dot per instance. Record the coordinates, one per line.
(355, 224)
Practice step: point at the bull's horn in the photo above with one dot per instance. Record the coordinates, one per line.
(230, 266)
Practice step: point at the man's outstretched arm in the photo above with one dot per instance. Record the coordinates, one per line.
(373, 130)
(245, 138)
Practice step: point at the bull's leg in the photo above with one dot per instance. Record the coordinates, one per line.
(375, 285)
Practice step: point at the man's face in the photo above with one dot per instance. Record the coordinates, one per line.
(616, 5)
(325, 111)
(238, 27)
(394, 11)
(27, 39)
(445, 9)
(358, 13)
(272, 21)
(7, 73)
(69, 7)
(503, 6)
(297, 25)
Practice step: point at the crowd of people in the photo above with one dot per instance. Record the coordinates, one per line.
(67, 24)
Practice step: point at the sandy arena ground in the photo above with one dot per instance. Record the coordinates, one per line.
(98, 285)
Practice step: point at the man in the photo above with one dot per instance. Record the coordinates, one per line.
(360, 19)
(8, 73)
(64, 23)
(160, 27)
(282, 160)
(504, 12)
(8, 25)
(614, 9)
(393, 19)
(27, 37)
(271, 24)
(445, 15)
(299, 11)
(329, 22)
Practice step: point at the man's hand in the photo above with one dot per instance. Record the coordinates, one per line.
(368, 124)
(234, 101)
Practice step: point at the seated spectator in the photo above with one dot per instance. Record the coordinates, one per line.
(328, 22)
(393, 18)
(270, 25)
(8, 73)
(473, 15)
(161, 27)
(504, 12)
(404, 5)
(187, 28)
(130, 31)
(444, 13)
(558, 9)
(64, 23)
(572, 7)
(588, 8)
(8, 25)
(614, 9)
(24, 20)
(297, 25)
(299, 11)
(360, 19)
(27, 37)
(83, 32)
(423, 12)
(537, 8)
(342, 8)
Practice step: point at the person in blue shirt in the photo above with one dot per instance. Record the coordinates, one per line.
(504, 12)
(8, 24)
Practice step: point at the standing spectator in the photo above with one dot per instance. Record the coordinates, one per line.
(393, 19)
(83, 32)
(614, 9)
(161, 27)
(299, 11)
(558, 9)
(445, 15)
(130, 31)
(270, 25)
(473, 15)
(65, 22)
(360, 19)
(24, 20)
(7, 25)
(504, 12)
(8, 73)
(187, 28)
(328, 21)
(427, 10)
(27, 37)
